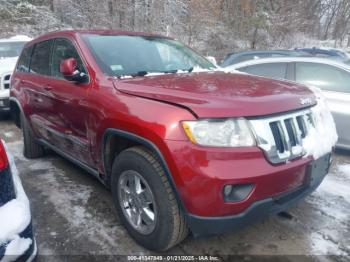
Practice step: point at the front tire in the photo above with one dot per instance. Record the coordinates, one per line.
(32, 149)
(145, 200)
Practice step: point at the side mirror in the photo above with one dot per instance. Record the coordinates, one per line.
(70, 71)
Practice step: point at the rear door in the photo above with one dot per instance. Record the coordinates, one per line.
(38, 106)
(335, 84)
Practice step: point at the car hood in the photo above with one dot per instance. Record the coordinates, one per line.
(7, 64)
(220, 94)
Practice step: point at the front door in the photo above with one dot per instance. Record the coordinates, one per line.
(71, 109)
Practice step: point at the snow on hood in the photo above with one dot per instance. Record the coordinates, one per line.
(15, 217)
(8, 64)
(323, 137)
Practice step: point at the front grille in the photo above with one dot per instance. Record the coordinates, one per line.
(280, 137)
(5, 81)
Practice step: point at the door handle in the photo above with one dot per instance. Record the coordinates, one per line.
(48, 88)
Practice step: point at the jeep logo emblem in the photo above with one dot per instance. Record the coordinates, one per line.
(305, 101)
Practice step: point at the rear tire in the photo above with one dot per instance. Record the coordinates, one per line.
(32, 149)
(169, 226)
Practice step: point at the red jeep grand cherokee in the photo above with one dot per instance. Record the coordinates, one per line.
(182, 146)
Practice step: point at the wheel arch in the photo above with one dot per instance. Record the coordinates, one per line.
(16, 111)
(108, 155)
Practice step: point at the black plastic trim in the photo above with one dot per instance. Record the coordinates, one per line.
(13, 99)
(148, 144)
(82, 165)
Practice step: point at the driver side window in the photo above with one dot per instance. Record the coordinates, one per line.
(64, 49)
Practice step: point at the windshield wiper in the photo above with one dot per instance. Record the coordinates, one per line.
(140, 73)
(170, 71)
(174, 71)
(143, 73)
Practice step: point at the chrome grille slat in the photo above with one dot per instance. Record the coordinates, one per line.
(280, 137)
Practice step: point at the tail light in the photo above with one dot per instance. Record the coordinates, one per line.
(3, 157)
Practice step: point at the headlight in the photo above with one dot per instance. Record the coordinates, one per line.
(220, 133)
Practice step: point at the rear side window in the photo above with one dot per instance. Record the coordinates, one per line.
(271, 70)
(323, 76)
(24, 60)
(40, 62)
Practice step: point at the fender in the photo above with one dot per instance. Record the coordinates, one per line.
(149, 145)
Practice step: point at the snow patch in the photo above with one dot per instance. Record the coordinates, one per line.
(16, 248)
(323, 136)
(15, 215)
(345, 169)
(9, 134)
(322, 246)
(335, 187)
(229, 70)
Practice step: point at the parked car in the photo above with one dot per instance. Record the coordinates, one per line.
(325, 52)
(17, 242)
(237, 57)
(10, 49)
(330, 76)
(182, 146)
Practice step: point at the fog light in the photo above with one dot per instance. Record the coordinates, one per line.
(236, 193)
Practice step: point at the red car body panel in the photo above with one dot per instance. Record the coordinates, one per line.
(153, 107)
(219, 94)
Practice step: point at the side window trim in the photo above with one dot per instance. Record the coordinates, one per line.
(30, 57)
(290, 72)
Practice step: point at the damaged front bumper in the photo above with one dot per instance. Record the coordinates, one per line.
(206, 226)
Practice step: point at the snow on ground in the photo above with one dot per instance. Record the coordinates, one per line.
(71, 201)
(345, 169)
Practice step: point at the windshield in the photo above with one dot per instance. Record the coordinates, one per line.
(140, 55)
(11, 49)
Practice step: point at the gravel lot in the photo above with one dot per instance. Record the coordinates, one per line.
(74, 216)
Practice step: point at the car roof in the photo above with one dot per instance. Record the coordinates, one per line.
(289, 59)
(329, 51)
(262, 52)
(74, 33)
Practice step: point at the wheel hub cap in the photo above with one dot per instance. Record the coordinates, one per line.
(137, 202)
